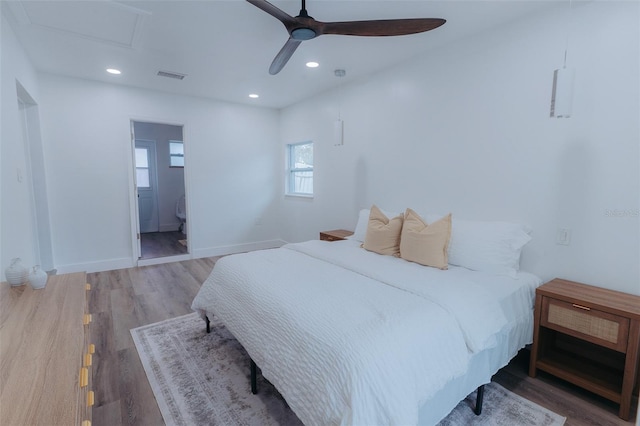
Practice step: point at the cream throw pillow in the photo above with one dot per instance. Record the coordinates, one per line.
(383, 234)
(425, 244)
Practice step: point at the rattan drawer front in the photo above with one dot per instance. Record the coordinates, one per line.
(580, 321)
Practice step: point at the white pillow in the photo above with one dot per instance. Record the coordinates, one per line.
(363, 221)
(493, 247)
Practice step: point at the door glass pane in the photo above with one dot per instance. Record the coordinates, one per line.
(142, 177)
(142, 159)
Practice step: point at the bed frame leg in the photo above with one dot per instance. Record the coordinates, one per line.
(479, 397)
(254, 386)
(206, 318)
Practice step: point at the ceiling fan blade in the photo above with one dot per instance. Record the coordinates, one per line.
(383, 27)
(283, 56)
(264, 5)
(304, 27)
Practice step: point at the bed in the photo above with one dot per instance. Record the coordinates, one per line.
(349, 336)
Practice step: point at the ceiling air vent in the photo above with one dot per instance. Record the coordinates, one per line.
(171, 75)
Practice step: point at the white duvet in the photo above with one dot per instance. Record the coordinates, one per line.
(476, 310)
(348, 336)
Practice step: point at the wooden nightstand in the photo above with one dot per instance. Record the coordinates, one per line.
(588, 336)
(335, 235)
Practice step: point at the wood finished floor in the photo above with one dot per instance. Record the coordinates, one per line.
(162, 244)
(128, 298)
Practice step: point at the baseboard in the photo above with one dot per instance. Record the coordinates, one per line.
(123, 263)
(237, 248)
(98, 266)
(164, 259)
(169, 227)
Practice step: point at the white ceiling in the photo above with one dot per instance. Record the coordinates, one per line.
(225, 47)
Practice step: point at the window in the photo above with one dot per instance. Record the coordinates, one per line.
(176, 154)
(142, 168)
(300, 169)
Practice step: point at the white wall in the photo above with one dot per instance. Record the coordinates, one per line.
(466, 128)
(170, 179)
(463, 128)
(230, 152)
(16, 220)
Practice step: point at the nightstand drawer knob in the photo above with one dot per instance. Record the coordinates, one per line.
(581, 307)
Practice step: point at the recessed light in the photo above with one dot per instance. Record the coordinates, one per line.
(254, 96)
(114, 71)
(313, 64)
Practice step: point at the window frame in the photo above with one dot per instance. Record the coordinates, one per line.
(292, 170)
(172, 156)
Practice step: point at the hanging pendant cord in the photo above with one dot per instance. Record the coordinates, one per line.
(566, 45)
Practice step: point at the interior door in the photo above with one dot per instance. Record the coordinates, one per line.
(147, 186)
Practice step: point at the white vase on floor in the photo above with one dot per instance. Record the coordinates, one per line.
(38, 277)
(16, 274)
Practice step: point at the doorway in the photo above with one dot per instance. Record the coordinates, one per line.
(160, 190)
(36, 180)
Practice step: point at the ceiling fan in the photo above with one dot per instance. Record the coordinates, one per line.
(304, 27)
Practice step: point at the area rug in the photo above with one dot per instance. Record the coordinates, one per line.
(199, 378)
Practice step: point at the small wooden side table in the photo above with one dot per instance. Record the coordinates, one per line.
(588, 336)
(335, 235)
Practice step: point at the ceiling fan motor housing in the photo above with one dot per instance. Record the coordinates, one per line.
(303, 34)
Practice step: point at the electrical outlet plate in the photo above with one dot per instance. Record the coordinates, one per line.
(563, 236)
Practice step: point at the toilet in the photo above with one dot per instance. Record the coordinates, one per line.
(181, 213)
